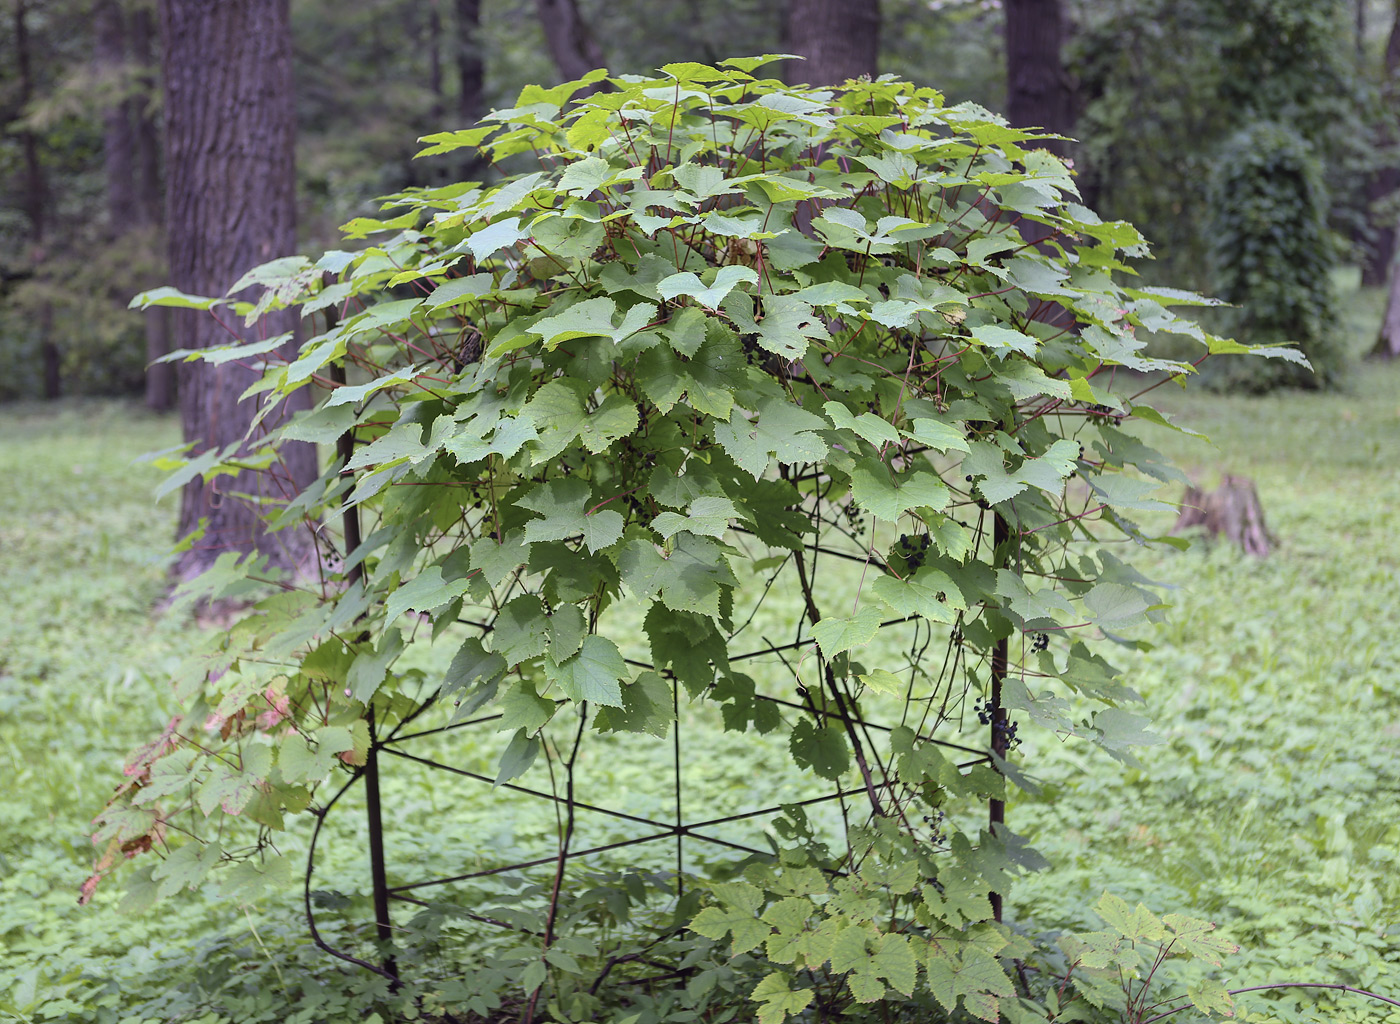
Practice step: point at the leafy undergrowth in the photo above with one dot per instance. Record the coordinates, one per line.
(1270, 804)
(1269, 807)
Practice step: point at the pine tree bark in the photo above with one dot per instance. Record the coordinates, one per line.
(1037, 87)
(839, 38)
(229, 137)
(570, 43)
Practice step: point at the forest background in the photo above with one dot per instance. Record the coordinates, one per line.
(1164, 99)
(1174, 106)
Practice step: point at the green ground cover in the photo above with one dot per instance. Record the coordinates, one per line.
(1270, 806)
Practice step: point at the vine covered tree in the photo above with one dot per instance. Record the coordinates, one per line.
(229, 136)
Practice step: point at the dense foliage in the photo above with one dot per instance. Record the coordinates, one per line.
(1150, 78)
(728, 333)
(1273, 255)
(1182, 78)
(1277, 826)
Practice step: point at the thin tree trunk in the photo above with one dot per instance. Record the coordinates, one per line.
(471, 76)
(150, 196)
(1388, 343)
(160, 377)
(35, 197)
(839, 38)
(434, 45)
(118, 137)
(571, 44)
(1385, 180)
(229, 135)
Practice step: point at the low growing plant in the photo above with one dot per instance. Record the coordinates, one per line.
(722, 338)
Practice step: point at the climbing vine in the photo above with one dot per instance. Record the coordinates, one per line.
(710, 338)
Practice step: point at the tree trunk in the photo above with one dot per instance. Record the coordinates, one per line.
(150, 196)
(35, 197)
(1385, 180)
(572, 46)
(118, 137)
(229, 135)
(1388, 343)
(839, 38)
(471, 77)
(150, 201)
(433, 43)
(1037, 87)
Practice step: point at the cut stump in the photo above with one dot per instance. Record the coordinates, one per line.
(1232, 510)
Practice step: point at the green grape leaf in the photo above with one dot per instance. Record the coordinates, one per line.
(929, 593)
(892, 961)
(780, 430)
(522, 630)
(523, 708)
(1137, 924)
(710, 296)
(519, 754)
(777, 1000)
(888, 497)
(737, 915)
(426, 592)
(1211, 997)
(867, 425)
(562, 502)
(593, 318)
(370, 666)
(820, 748)
(1191, 936)
(594, 674)
(692, 577)
(707, 515)
(646, 707)
(835, 634)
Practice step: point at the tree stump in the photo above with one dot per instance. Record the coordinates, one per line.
(1232, 509)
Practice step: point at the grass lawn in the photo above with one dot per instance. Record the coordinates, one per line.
(1270, 806)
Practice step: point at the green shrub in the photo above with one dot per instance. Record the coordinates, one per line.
(1274, 256)
(722, 334)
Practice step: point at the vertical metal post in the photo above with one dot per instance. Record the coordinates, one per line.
(1001, 541)
(676, 750)
(379, 883)
(383, 925)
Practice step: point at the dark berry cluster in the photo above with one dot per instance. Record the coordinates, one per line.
(749, 343)
(1004, 728)
(1106, 412)
(855, 515)
(1041, 642)
(935, 827)
(913, 550)
(1007, 730)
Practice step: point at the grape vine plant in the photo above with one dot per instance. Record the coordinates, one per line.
(708, 338)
